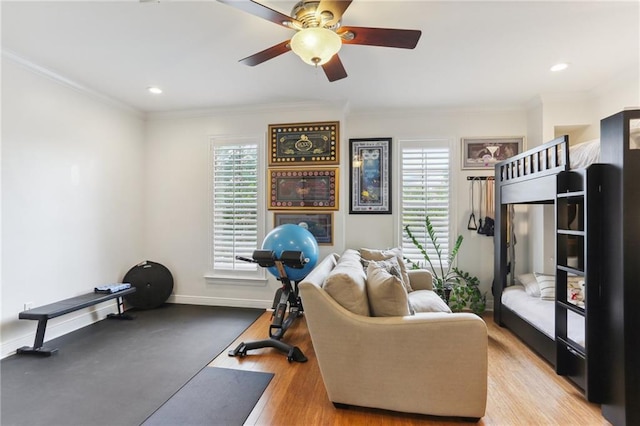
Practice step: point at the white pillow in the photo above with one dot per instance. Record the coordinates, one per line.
(530, 284)
(547, 285)
(427, 301)
(387, 296)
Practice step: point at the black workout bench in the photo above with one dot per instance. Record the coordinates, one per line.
(44, 313)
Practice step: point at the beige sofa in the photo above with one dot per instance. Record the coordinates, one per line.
(430, 363)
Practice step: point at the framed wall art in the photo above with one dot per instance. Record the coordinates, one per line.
(484, 153)
(370, 176)
(303, 189)
(304, 143)
(319, 224)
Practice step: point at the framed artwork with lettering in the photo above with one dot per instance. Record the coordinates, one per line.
(296, 144)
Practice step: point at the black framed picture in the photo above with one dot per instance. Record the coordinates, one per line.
(370, 176)
(484, 153)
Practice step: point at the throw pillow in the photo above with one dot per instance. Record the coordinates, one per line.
(530, 284)
(427, 301)
(387, 296)
(346, 284)
(547, 285)
(390, 265)
(377, 255)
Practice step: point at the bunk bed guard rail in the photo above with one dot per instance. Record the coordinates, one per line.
(547, 159)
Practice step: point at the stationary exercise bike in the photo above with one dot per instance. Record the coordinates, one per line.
(289, 267)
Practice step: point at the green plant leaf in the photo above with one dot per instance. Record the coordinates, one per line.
(465, 292)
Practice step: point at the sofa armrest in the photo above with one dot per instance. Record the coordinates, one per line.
(430, 363)
(420, 279)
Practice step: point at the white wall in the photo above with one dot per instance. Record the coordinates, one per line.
(476, 253)
(621, 91)
(72, 199)
(584, 111)
(177, 220)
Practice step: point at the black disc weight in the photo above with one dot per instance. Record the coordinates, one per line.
(153, 283)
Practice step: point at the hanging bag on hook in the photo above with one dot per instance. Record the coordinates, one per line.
(488, 227)
(481, 226)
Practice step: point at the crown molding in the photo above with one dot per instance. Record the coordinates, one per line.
(236, 110)
(60, 79)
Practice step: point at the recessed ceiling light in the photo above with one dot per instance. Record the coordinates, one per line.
(561, 66)
(154, 90)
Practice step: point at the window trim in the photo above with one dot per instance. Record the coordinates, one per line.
(237, 277)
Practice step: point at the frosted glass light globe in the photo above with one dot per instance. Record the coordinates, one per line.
(316, 46)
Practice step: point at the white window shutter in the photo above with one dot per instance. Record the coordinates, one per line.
(425, 190)
(235, 206)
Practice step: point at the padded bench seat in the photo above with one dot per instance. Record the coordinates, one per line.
(44, 313)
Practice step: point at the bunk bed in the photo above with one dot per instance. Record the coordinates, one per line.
(527, 178)
(592, 340)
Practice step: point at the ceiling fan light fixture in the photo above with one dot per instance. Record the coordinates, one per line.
(560, 66)
(316, 46)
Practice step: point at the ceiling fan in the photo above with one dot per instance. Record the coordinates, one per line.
(320, 34)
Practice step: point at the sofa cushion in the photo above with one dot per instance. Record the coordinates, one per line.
(346, 284)
(427, 301)
(377, 255)
(387, 295)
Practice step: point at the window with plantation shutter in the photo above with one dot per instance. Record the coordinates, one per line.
(237, 213)
(424, 191)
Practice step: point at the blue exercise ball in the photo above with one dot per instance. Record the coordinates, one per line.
(292, 237)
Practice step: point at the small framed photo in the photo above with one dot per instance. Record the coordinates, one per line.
(303, 189)
(316, 144)
(319, 224)
(484, 153)
(370, 174)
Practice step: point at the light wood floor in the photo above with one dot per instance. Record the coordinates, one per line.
(522, 388)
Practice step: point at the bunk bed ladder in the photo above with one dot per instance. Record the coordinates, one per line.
(578, 225)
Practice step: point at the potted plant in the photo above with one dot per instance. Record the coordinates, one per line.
(457, 288)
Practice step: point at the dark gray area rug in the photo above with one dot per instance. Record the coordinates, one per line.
(215, 396)
(117, 373)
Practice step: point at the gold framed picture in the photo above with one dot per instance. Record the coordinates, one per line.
(303, 189)
(304, 143)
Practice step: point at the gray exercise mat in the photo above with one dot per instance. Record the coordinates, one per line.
(215, 396)
(117, 373)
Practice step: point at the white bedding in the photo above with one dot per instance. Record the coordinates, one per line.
(541, 313)
(584, 154)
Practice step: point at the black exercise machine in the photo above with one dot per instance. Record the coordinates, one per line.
(286, 295)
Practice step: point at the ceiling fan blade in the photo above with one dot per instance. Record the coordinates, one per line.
(386, 37)
(334, 69)
(336, 7)
(267, 54)
(261, 11)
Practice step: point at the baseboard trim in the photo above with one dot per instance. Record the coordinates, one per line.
(220, 301)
